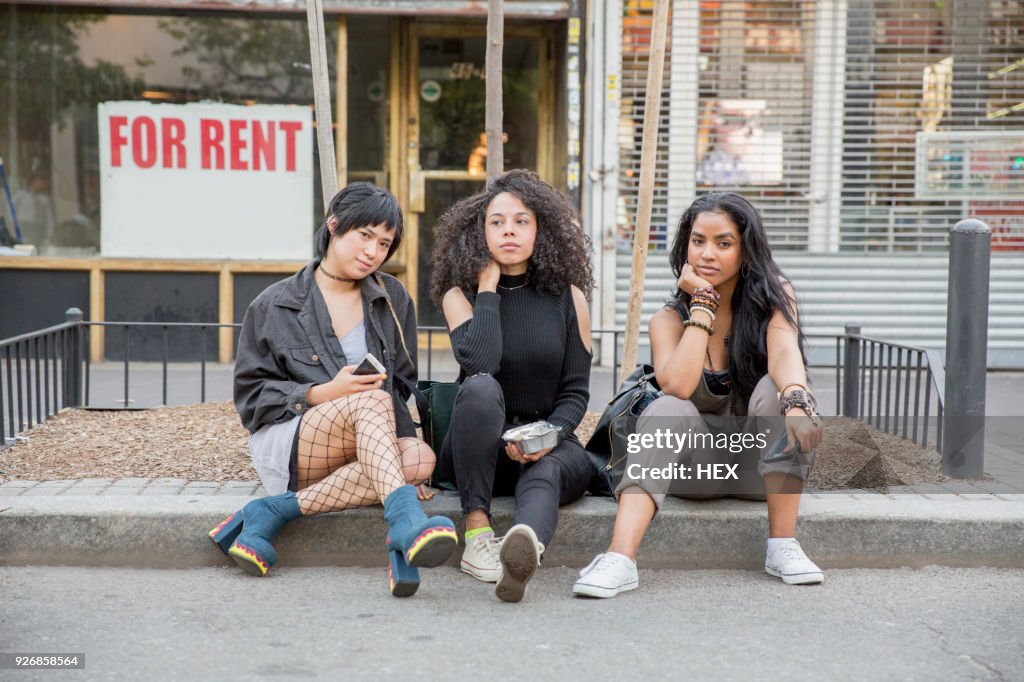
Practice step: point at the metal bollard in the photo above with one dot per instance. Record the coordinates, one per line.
(963, 445)
(851, 371)
(73, 360)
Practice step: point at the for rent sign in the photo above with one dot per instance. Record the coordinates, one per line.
(206, 181)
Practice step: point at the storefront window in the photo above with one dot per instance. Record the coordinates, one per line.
(58, 64)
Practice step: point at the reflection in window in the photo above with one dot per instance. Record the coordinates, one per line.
(57, 65)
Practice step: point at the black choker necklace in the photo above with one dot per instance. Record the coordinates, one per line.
(513, 278)
(335, 277)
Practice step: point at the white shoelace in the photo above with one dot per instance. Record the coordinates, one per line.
(792, 551)
(489, 547)
(601, 560)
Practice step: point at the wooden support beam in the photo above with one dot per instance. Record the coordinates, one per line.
(226, 316)
(97, 313)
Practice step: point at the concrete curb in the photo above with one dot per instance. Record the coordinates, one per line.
(837, 530)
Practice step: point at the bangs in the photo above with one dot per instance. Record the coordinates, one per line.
(377, 209)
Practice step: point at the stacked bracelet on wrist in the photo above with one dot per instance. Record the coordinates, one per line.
(706, 295)
(700, 325)
(802, 399)
(700, 306)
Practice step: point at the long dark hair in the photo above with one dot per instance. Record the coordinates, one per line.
(360, 204)
(759, 290)
(561, 253)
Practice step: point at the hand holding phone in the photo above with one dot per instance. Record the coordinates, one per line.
(777, 451)
(369, 365)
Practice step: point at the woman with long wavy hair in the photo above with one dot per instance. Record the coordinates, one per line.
(512, 273)
(728, 354)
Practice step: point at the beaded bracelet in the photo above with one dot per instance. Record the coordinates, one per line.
(710, 291)
(699, 325)
(703, 300)
(803, 400)
(702, 308)
(706, 292)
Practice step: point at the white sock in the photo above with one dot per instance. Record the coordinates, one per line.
(775, 543)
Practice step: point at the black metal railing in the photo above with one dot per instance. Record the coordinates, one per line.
(164, 329)
(891, 386)
(40, 374)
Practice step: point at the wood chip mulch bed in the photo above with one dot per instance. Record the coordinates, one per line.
(206, 442)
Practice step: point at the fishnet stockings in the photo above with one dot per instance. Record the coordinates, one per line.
(349, 456)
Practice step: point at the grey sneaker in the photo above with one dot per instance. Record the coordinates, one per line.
(791, 564)
(607, 575)
(520, 557)
(480, 559)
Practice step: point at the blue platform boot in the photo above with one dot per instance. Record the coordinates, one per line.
(225, 533)
(414, 540)
(261, 520)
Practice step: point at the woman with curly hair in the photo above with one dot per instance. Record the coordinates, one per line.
(327, 436)
(512, 273)
(727, 351)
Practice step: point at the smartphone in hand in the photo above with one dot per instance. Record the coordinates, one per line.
(369, 365)
(777, 452)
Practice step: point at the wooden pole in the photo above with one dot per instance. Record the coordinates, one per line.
(648, 154)
(322, 98)
(341, 103)
(494, 105)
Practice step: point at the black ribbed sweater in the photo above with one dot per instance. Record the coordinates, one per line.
(530, 343)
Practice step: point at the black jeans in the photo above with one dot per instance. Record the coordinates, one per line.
(473, 457)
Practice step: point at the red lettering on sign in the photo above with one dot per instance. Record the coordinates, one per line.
(264, 144)
(290, 129)
(144, 142)
(211, 140)
(117, 139)
(173, 134)
(237, 145)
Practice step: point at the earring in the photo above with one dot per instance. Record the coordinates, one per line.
(745, 270)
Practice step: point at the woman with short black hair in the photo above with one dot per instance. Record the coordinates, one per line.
(326, 437)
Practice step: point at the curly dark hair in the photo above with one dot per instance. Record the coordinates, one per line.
(561, 253)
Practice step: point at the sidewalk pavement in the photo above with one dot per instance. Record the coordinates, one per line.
(162, 523)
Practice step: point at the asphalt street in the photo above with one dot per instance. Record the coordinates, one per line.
(333, 623)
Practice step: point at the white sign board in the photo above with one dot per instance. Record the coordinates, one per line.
(206, 181)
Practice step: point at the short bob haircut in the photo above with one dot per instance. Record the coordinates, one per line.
(360, 204)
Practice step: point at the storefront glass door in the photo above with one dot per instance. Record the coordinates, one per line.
(446, 151)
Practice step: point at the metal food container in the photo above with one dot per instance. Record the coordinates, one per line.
(533, 437)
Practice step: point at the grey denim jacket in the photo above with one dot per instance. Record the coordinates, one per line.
(287, 344)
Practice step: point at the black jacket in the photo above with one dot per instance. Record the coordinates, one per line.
(287, 344)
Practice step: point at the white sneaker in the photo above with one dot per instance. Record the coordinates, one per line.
(480, 559)
(607, 575)
(791, 564)
(520, 557)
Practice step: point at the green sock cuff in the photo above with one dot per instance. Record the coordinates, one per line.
(470, 534)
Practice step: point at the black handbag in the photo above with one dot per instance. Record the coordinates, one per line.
(607, 446)
(438, 401)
